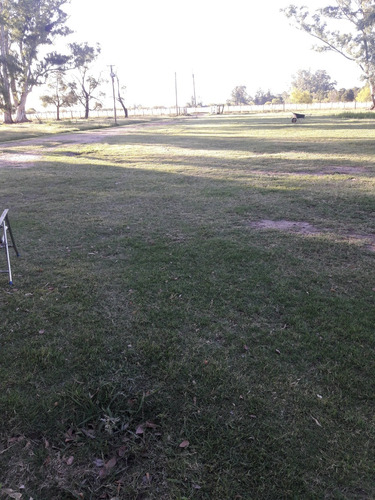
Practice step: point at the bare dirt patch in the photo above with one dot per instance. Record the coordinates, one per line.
(305, 228)
(19, 160)
(26, 160)
(286, 225)
(341, 170)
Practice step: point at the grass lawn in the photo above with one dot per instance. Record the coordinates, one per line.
(192, 315)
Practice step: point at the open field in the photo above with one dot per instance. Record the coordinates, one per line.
(192, 315)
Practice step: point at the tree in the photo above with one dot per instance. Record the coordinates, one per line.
(61, 95)
(364, 95)
(240, 96)
(25, 27)
(300, 96)
(261, 97)
(318, 84)
(85, 85)
(347, 95)
(357, 40)
(121, 99)
(5, 63)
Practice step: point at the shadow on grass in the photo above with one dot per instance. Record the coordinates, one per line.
(146, 312)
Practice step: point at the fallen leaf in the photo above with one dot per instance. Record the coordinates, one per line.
(184, 444)
(196, 486)
(70, 435)
(111, 463)
(99, 462)
(140, 429)
(151, 425)
(316, 421)
(277, 351)
(89, 433)
(107, 467)
(246, 347)
(102, 473)
(147, 478)
(12, 494)
(70, 460)
(122, 451)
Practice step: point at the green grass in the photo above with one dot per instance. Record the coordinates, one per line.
(160, 297)
(369, 115)
(45, 127)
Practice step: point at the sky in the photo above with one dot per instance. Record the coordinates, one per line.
(223, 43)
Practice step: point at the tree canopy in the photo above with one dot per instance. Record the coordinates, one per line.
(60, 93)
(25, 27)
(356, 40)
(318, 84)
(85, 85)
(240, 95)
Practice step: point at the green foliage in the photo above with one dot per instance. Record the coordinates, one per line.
(356, 115)
(61, 95)
(85, 86)
(300, 96)
(356, 41)
(262, 97)
(364, 95)
(25, 27)
(318, 84)
(240, 96)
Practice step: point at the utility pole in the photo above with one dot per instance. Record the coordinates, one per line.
(194, 96)
(175, 86)
(113, 92)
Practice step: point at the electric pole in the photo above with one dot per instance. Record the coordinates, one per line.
(194, 96)
(113, 92)
(175, 85)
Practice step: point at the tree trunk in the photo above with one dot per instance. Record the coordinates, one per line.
(4, 74)
(372, 91)
(87, 107)
(21, 109)
(8, 117)
(373, 99)
(58, 112)
(121, 101)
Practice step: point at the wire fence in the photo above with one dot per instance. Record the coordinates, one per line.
(75, 114)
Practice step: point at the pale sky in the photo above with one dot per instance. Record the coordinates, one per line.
(223, 43)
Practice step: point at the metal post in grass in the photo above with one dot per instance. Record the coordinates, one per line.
(113, 92)
(4, 228)
(175, 86)
(194, 95)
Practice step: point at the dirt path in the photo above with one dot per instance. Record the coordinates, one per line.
(10, 158)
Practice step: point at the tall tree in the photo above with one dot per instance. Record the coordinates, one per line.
(120, 98)
(356, 41)
(5, 64)
(25, 27)
(262, 97)
(240, 96)
(85, 84)
(318, 83)
(60, 94)
(300, 96)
